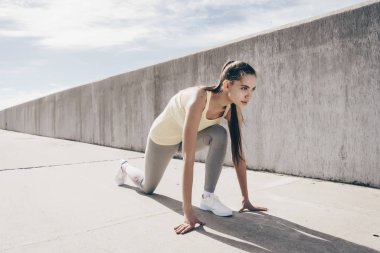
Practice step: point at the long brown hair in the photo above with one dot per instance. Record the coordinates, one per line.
(233, 71)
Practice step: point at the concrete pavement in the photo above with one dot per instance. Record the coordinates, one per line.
(59, 196)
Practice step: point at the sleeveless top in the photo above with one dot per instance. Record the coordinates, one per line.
(167, 128)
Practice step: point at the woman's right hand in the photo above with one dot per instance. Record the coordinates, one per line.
(189, 224)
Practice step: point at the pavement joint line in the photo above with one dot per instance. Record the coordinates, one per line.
(65, 164)
(124, 220)
(275, 186)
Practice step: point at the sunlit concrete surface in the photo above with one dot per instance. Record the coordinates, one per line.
(59, 196)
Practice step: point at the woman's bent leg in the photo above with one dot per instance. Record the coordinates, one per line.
(214, 137)
(157, 158)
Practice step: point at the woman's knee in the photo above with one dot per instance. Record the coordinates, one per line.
(219, 133)
(148, 190)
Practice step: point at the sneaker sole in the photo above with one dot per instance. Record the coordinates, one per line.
(215, 212)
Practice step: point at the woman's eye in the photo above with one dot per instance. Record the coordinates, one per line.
(244, 88)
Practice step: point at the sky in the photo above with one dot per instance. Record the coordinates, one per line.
(51, 45)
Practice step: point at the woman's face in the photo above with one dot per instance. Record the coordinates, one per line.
(240, 92)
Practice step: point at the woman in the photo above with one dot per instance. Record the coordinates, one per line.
(190, 122)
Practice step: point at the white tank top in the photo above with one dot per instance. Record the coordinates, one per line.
(167, 128)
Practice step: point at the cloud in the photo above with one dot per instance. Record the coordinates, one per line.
(77, 24)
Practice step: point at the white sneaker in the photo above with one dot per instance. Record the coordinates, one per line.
(121, 174)
(213, 204)
(134, 174)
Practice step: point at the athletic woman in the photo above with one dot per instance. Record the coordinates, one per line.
(190, 122)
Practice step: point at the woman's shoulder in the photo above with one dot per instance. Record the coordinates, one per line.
(194, 91)
(195, 94)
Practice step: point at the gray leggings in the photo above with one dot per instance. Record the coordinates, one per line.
(157, 157)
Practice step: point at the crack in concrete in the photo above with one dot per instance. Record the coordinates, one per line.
(65, 164)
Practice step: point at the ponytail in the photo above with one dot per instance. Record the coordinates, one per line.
(235, 135)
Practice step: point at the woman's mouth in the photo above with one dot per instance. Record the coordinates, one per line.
(244, 103)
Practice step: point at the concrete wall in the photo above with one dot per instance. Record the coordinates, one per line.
(315, 113)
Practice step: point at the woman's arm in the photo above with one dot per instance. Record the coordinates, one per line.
(194, 109)
(241, 170)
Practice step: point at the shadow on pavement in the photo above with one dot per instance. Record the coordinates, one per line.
(261, 232)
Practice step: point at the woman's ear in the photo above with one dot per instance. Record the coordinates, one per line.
(226, 85)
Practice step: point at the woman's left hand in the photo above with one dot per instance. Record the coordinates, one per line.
(248, 207)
